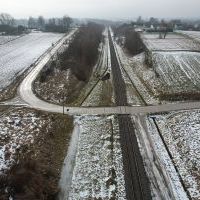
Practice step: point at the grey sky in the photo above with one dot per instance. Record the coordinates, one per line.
(107, 9)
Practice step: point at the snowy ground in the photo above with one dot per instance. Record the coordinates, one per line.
(131, 65)
(18, 128)
(7, 38)
(98, 171)
(192, 34)
(178, 71)
(165, 182)
(19, 54)
(173, 41)
(181, 132)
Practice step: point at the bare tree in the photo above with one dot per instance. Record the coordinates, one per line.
(139, 21)
(6, 19)
(163, 30)
(32, 22)
(133, 42)
(52, 21)
(67, 21)
(41, 22)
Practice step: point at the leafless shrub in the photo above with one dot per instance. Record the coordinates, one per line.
(28, 180)
(180, 96)
(82, 53)
(132, 41)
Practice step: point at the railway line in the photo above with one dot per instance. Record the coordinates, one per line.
(137, 184)
(143, 102)
(118, 82)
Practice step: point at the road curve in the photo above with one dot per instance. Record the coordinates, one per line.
(27, 95)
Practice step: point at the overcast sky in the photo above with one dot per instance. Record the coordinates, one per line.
(106, 9)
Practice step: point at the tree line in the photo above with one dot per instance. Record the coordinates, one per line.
(52, 25)
(9, 25)
(129, 38)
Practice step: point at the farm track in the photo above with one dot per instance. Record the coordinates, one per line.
(137, 184)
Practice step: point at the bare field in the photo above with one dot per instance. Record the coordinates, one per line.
(174, 76)
(25, 130)
(30, 134)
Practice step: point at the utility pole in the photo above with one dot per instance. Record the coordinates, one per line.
(63, 98)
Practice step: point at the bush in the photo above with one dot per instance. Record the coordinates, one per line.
(132, 40)
(54, 28)
(11, 30)
(27, 180)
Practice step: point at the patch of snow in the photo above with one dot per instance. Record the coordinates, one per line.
(17, 129)
(98, 171)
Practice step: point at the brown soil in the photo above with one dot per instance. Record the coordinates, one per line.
(38, 168)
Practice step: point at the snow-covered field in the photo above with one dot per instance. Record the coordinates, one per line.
(181, 132)
(193, 34)
(18, 128)
(7, 38)
(98, 171)
(178, 71)
(17, 55)
(171, 42)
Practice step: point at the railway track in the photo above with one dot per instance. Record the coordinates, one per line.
(137, 184)
(118, 81)
(133, 85)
